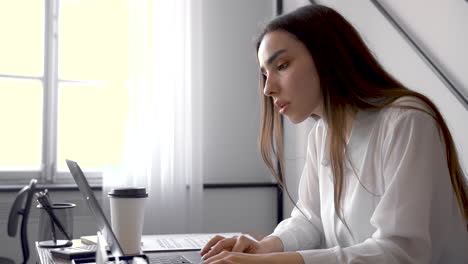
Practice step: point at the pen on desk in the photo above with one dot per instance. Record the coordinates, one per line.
(52, 226)
(44, 201)
(54, 235)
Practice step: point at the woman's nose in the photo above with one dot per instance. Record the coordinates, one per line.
(270, 87)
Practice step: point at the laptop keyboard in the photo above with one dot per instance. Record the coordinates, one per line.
(174, 259)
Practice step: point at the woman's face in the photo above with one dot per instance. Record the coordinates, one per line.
(291, 79)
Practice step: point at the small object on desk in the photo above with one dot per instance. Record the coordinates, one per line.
(89, 240)
(72, 253)
(43, 200)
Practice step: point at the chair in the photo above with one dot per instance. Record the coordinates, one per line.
(21, 206)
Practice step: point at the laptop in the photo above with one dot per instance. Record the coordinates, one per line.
(105, 228)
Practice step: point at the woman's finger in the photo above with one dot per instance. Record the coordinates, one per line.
(210, 244)
(222, 245)
(243, 243)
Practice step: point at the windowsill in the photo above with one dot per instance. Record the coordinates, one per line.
(39, 187)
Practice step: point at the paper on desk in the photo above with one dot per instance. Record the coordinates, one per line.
(180, 242)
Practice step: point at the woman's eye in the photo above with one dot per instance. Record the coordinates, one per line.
(283, 66)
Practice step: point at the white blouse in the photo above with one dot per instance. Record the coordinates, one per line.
(398, 201)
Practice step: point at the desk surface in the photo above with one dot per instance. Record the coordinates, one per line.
(46, 258)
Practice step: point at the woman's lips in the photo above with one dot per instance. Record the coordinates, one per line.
(282, 105)
(283, 109)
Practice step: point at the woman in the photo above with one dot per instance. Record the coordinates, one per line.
(382, 182)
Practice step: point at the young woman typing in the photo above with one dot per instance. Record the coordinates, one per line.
(382, 181)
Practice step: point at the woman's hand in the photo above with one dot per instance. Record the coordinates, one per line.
(240, 243)
(226, 257)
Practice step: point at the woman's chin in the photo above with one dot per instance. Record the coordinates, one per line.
(295, 119)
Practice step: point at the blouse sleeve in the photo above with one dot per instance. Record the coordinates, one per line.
(409, 218)
(304, 231)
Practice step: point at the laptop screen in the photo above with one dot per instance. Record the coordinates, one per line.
(101, 220)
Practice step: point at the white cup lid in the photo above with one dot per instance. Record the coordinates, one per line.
(139, 192)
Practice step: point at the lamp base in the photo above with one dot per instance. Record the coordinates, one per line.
(57, 244)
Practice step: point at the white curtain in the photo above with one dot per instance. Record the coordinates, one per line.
(162, 143)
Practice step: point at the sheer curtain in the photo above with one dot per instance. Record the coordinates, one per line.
(162, 146)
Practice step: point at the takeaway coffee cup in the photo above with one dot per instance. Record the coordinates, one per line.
(127, 213)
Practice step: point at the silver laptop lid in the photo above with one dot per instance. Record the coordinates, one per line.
(101, 220)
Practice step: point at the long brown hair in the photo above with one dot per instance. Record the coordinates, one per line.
(351, 79)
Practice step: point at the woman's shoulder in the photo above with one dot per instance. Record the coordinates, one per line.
(406, 106)
(410, 101)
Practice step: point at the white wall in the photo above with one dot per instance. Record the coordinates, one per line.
(440, 26)
(230, 83)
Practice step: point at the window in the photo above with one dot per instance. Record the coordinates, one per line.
(63, 72)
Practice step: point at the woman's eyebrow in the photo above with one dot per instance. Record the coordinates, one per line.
(272, 58)
(275, 55)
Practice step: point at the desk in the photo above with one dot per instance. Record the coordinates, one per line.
(46, 258)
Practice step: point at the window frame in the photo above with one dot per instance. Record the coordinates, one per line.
(48, 172)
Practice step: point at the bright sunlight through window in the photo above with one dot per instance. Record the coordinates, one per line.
(91, 72)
